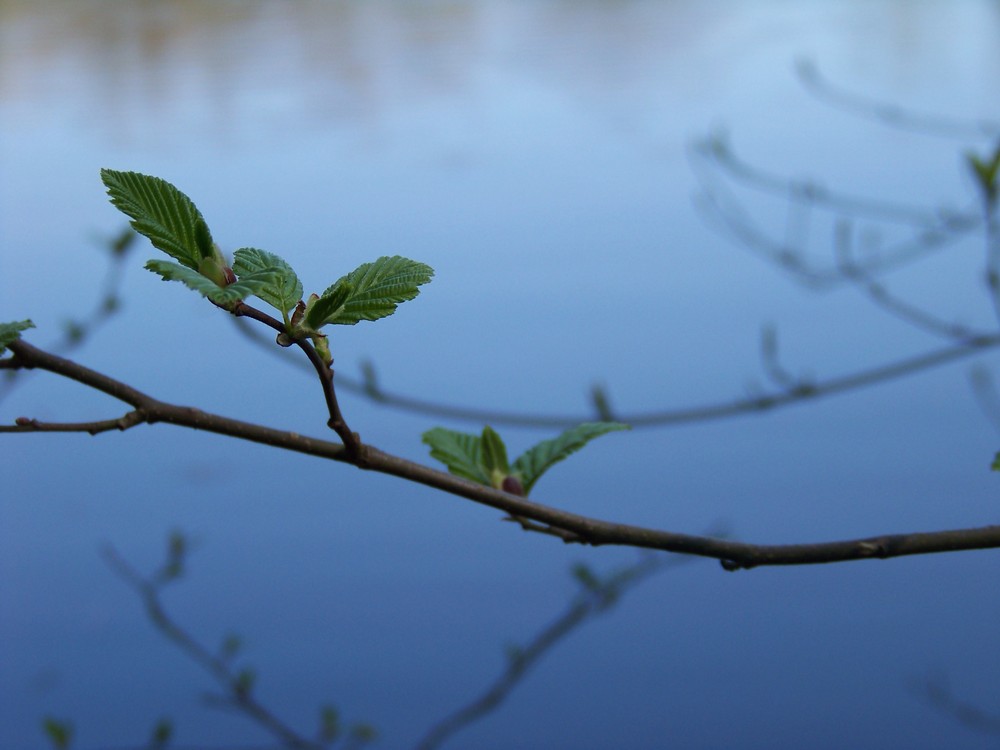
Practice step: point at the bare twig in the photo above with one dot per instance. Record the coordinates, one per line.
(984, 388)
(108, 303)
(236, 689)
(715, 149)
(938, 693)
(879, 294)
(757, 403)
(595, 599)
(993, 255)
(891, 114)
(926, 230)
(776, 372)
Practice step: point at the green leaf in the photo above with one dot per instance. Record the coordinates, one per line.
(494, 457)
(286, 290)
(244, 682)
(161, 734)
(364, 733)
(535, 462)
(223, 295)
(586, 577)
(162, 213)
(60, 733)
(375, 290)
(996, 463)
(321, 310)
(987, 172)
(11, 332)
(329, 724)
(460, 452)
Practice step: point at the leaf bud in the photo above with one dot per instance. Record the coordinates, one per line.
(216, 269)
(512, 485)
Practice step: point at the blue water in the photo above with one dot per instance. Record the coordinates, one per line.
(540, 157)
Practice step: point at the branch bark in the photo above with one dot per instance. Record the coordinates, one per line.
(571, 527)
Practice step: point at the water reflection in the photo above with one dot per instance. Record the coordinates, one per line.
(209, 66)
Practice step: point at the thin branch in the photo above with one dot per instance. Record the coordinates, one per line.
(26, 424)
(891, 114)
(938, 693)
(732, 554)
(236, 694)
(993, 254)
(881, 296)
(777, 372)
(597, 597)
(984, 388)
(337, 423)
(108, 303)
(716, 150)
(927, 230)
(756, 403)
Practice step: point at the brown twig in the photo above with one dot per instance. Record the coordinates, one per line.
(732, 554)
(336, 422)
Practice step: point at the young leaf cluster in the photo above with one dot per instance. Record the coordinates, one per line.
(483, 458)
(172, 222)
(11, 332)
(987, 173)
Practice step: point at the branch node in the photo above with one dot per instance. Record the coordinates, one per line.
(732, 566)
(870, 548)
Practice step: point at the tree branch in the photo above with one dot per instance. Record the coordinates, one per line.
(108, 303)
(927, 230)
(672, 417)
(732, 554)
(598, 596)
(891, 114)
(352, 441)
(236, 685)
(879, 294)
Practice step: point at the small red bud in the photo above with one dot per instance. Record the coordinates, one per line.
(512, 485)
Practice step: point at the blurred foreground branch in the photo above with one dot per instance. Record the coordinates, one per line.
(598, 595)
(236, 685)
